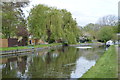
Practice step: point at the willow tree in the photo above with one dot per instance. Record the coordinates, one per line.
(51, 24)
(71, 31)
(54, 23)
(37, 21)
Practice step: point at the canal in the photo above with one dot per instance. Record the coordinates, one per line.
(67, 62)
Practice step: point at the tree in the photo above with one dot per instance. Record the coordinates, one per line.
(116, 29)
(118, 25)
(37, 21)
(12, 18)
(51, 24)
(54, 25)
(8, 16)
(70, 28)
(106, 33)
(109, 20)
(22, 31)
(91, 29)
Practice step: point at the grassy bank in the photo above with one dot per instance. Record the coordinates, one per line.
(28, 47)
(106, 66)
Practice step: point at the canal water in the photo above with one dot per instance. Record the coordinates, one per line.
(67, 62)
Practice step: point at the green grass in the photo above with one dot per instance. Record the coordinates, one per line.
(28, 47)
(106, 66)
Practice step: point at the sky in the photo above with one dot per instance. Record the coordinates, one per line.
(85, 11)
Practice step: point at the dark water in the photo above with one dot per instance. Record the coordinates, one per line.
(67, 62)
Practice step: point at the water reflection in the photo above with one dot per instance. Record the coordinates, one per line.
(67, 62)
(82, 65)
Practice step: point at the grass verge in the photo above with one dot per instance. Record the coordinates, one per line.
(28, 47)
(106, 66)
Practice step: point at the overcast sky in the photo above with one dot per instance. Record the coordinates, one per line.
(85, 11)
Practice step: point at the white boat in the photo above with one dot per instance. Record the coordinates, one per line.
(109, 43)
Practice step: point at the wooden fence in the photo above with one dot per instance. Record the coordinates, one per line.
(3, 42)
(12, 42)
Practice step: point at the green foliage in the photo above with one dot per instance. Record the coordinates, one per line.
(116, 29)
(91, 29)
(12, 18)
(106, 33)
(119, 25)
(8, 16)
(51, 24)
(119, 28)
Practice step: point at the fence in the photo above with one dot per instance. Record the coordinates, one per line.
(3, 42)
(11, 42)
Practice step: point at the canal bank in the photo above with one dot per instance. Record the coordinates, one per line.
(21, 49)
(32, 48)
(106, 66)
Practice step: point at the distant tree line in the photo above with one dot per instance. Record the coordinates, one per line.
(105, 29)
